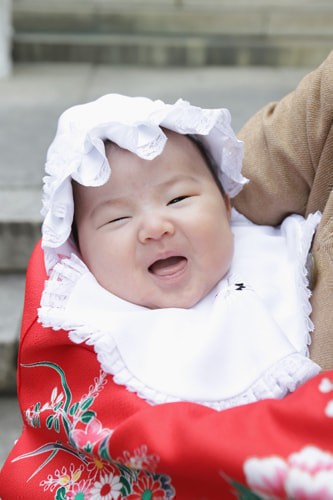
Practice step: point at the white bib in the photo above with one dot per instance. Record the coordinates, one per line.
(246, 340)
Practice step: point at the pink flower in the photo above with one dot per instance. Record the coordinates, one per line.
(311, 474)
(305, 475)
(311, 459)
(305, 486)
(92, 434)
(267, 476)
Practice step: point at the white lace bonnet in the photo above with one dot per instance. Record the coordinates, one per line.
(134, 123)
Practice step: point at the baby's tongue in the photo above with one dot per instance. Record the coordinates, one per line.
(171, 265)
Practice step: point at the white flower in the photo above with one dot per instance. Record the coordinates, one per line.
(329, 409)
(55, 398)
(311, 459)
(325, 385)
(107, 488)
(266, 476)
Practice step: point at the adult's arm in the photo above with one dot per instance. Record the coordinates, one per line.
(289, 161)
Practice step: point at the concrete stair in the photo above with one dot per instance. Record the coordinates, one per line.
(19, 231)
(174, 32)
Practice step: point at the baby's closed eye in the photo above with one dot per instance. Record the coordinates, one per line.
(178, 199)
(118, 219)
(113, 221)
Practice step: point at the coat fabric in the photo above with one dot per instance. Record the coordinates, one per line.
(288, 157)
(85, 437)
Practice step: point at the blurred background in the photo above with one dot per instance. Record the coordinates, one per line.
(237, 54)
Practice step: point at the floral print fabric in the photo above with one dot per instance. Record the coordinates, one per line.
(85, 437)
(98, 476)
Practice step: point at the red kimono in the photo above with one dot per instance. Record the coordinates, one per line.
(85, 437)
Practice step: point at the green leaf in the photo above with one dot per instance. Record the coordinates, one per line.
(61, 494)
(104, 453)
(87, 416)
(66, 425)
(87, 403)
(59, 405)
(37, 407)
(49, 421)
(245, 493)
(74, 409)
(57, 425)
(127, 471)
(126, 489)
(88, 448)
(64, 384)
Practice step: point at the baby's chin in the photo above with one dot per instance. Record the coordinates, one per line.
(181, 298)
(173, 304)
(163, 301)
(180, 301)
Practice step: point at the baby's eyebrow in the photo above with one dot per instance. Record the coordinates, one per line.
(122, 201)
(114, 202)
(178, 179)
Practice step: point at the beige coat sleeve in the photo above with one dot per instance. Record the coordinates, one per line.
(289, 161)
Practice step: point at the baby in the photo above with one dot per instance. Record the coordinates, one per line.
(157, 233)
(182, 297)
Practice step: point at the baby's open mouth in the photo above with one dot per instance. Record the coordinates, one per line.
(169, 266)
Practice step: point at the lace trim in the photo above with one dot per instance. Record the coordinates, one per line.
(284, 377)
(287, 374)
(57, 291)
(309, 227)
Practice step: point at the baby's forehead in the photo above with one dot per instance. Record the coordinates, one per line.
(177, 146)
(182, 154)
(180, 159)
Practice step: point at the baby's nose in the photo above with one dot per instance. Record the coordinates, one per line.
(155, 226)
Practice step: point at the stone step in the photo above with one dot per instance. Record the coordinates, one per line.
(185, 17)
(11, 306)
(150, 50)
(20, 223)
(10, 425)
(178, 32)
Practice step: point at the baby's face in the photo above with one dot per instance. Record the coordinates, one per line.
(158, 232)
